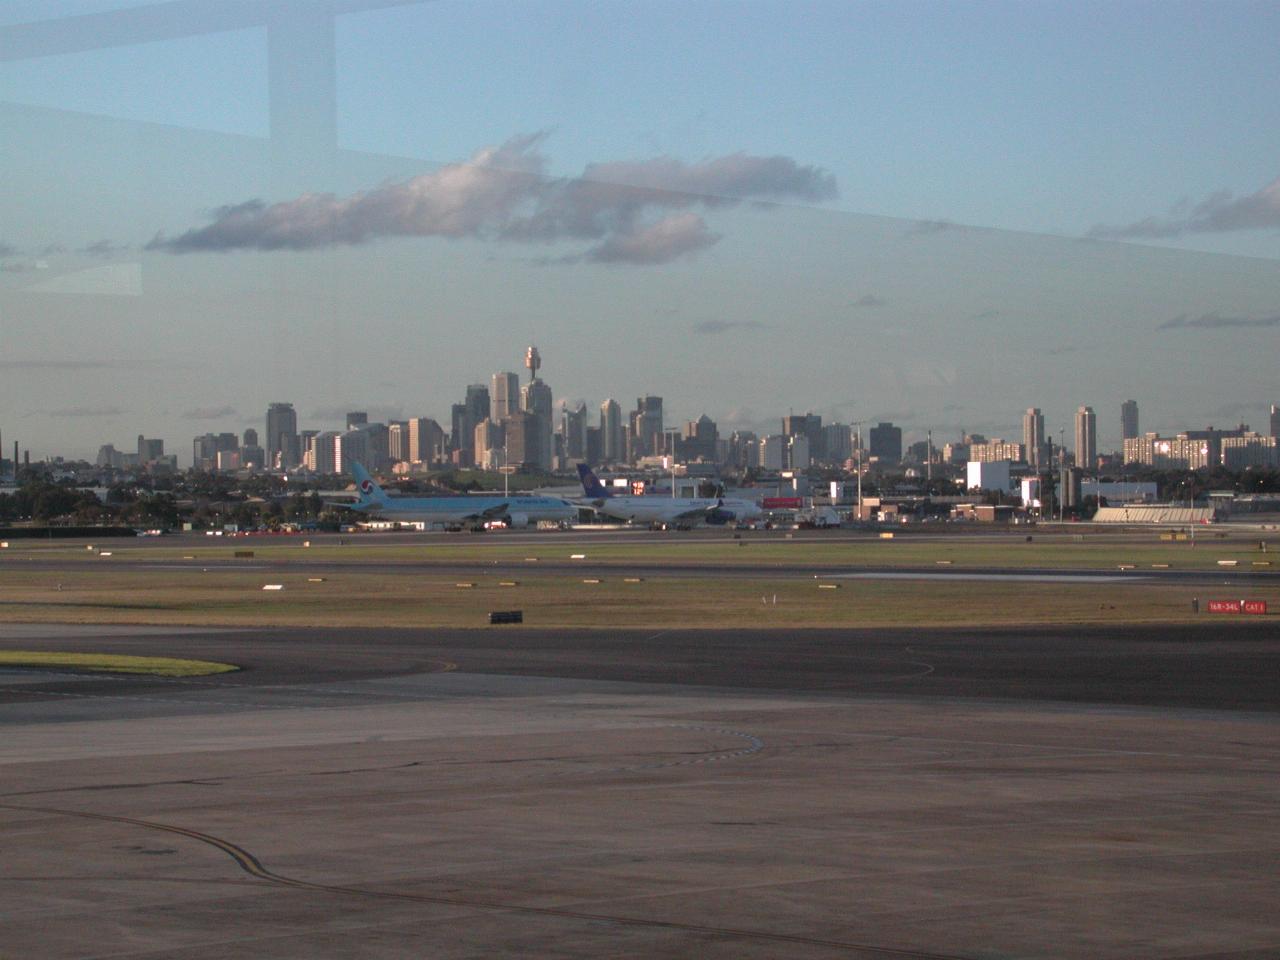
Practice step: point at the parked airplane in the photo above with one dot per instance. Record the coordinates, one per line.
(714, 510)
(516, 511)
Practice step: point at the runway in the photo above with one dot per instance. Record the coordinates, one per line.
(866, 794)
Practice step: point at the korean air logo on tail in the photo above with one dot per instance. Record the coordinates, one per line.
(366, 487)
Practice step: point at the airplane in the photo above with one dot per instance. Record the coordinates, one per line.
(518, 511)
(713, 510)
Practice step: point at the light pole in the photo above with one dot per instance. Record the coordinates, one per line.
(858, 424)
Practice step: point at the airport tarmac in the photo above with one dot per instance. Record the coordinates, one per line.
(867, 794)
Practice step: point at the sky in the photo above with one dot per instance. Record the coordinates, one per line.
(938, 214)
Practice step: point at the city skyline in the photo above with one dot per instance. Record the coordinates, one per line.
(549, 438)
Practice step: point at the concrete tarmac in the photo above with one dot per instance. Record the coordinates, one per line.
(866, 794)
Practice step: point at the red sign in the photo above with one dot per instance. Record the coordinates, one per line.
(1238, 606)
(782, 503)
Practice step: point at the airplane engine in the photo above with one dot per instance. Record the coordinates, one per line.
(518, 520)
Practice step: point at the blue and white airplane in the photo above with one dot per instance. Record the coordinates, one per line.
(514, 511)
(713, 510)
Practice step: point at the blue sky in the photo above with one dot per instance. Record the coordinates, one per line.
(1041, 124)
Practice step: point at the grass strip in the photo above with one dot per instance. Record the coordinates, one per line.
(114, 663)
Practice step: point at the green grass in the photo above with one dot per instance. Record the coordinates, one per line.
(114, 663)
(418, 599)
(1103, 551)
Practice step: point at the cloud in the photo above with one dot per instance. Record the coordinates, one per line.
(1220, 212)
(52, 250)
(211, 413)
(52, 365)
(669, 238)
(868, 301)
(1214, 321)
(104, 248)
(636, 212)
(87, 412)
(18, 266)
(8, 250)
(710, 327)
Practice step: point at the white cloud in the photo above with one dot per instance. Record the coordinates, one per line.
(635, 211)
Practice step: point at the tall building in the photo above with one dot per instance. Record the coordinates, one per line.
(837, 442)
(282, 436)
(149, 450)
(537, 401)
(798, 452)
(488, 444)
(573, 428)
(808, 425)
(322, 456)
(356, 419)
(205, 449)
(612, 442)
(1033, 437)
(426, 440)
(699, 440)
(1275, 420)
(523, 440)
(885, 443)
(1086, 438)
(1129, 420)
(465, 416)
(646, 427)
(398, 441)
(504, 397)
(377, 439)
(348, 448)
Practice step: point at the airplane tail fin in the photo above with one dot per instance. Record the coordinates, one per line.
(591, 484)
(367, 488)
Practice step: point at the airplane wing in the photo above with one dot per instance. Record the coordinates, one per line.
(698, 513)
(349, 505)
(491, 513)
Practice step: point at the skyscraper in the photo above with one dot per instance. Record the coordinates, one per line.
(523, 439)
(1275, 420)
(646, 426)
(1033, 436)
(885, 443)
(504, 398)
(612, 444)
(573, 426)
(1129, 419)
(536, 400)
(282, 436)
(426, 440)
(1086, 438)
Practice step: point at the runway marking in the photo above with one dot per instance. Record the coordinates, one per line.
(251, 865)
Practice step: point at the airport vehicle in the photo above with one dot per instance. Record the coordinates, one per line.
(516, 511)
(662, 510)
